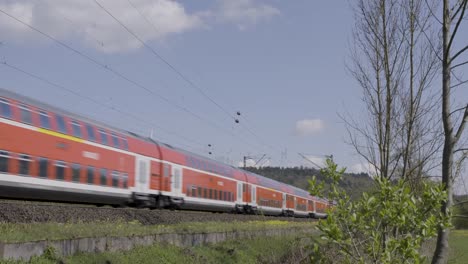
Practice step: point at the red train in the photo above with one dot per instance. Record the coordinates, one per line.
(47, 153)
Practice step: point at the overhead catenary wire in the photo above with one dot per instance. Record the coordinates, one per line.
(178, 72)
(118, 74)
(122, 76)
(108, 68)
(165, 61)
(88, 98)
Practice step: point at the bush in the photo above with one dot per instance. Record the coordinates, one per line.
(388, 225)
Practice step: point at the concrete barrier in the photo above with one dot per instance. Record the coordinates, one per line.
(26, 250)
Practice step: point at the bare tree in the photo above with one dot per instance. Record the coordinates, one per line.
(394, 60)
(453, 15)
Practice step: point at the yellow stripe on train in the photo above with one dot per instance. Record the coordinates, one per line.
(60, 135)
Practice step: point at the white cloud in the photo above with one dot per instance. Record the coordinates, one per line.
(309, 126)
(245, 13)
(86, 21)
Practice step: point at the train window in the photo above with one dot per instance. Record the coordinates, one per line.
(90, 131)
(25, 114)
(215, 194)
(4, 157)
(225, 196)
(220, 195)
(61, 127)
(194, 191)
(60, 170)
(211, 194)
(90, 175)
(76, 172)
(5, 109)
(125, 180)
(24, 161)
(115, 179)
(115, 140)
(199, 192)
(43, 162)
(205, 193)
(166, 170)
(44, 119)
(103, 136)
(76, 127)
(125, 143)
(103, 174)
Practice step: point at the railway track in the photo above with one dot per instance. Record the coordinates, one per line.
(15, 211)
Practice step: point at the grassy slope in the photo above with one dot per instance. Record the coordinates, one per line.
(259, 250)
(459, 247)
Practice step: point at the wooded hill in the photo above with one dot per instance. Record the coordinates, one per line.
(355, 184)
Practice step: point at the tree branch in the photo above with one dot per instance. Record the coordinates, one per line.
(458, 65)
(454, 32)
(460, 216)
(458, 84)
(432, 13)
(462, 125)
(456, 110)
(459, 53)
(461, 149)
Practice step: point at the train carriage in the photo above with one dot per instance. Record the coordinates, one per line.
(47, 153)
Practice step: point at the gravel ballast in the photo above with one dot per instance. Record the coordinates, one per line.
(38, 212)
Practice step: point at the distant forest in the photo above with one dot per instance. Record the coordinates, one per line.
(354, 183)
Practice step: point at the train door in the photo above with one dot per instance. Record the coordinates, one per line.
(246, 192)
(295, 203)
(155, 179)
(239, 192)
(166, 178)
(254, 195)
(142, 168)
(176, 180)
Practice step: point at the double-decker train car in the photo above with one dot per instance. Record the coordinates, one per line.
(50, 154)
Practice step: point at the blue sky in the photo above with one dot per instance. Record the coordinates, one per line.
(280, 63)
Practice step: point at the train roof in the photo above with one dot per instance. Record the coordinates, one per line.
(33, 102)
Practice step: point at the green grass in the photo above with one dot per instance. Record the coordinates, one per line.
(458, 247)
(11, 233)
(258, 250)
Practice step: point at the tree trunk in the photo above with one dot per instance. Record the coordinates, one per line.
(442, 248)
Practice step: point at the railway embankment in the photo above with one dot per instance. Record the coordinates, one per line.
(26, 241)
(31, 229)
(45, 212)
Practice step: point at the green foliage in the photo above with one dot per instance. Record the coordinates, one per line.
(388, 225)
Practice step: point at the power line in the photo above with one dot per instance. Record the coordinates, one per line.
(122, 76)
(95, 101)
(174, 69)
(191, 83)
(118, 74)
